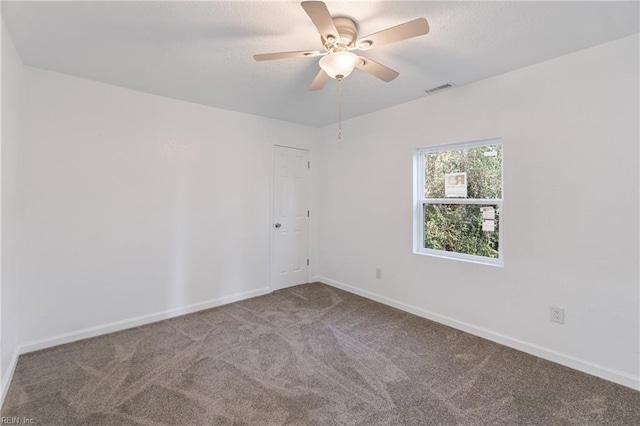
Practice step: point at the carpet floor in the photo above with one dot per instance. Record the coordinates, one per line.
(309, 354)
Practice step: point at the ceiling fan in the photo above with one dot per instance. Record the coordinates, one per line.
(339, 36)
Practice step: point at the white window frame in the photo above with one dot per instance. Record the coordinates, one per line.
(419, 200)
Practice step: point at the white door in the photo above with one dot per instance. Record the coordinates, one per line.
(290, 225)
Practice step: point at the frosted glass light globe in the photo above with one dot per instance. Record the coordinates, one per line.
(339, 64)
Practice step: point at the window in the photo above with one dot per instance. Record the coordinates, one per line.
(458, 208)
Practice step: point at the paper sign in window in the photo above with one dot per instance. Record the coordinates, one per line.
(455, 184)
(488, 225)
(488, 213)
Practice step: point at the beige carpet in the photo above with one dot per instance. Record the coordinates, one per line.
(306, 355)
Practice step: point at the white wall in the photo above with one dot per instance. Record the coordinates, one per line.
(570, 129)
(133, 204)
(12, 98)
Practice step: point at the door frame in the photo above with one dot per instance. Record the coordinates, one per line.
(272, 189)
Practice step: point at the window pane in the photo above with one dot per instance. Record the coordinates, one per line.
(462, 228)
(464, 173)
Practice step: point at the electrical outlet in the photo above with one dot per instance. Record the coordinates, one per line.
(557, 315)
(378, 273)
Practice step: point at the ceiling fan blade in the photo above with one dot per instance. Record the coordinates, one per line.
(285, 55)
(319, 82)
(376, 69)
(400, 32)
(321, 18)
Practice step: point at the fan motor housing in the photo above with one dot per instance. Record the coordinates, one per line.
(347, 31)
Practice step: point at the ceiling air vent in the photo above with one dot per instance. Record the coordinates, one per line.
(439, 88)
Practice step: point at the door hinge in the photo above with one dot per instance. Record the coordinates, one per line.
(308, 164)
(307, 262)
(308, 214)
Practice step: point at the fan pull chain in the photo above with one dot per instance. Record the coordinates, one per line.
(339, 108)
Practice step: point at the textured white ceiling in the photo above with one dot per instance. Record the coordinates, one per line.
(203, 51)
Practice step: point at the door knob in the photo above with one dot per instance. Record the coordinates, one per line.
(278, 225)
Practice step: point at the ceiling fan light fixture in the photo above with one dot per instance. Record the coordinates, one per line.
(339, 64)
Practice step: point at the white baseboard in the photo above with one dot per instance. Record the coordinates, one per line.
(8, 376)
(36, 345)
(570, 361)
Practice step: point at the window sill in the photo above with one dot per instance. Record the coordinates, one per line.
(461, 257)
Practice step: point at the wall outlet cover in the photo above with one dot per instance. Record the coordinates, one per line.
(557, 314)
